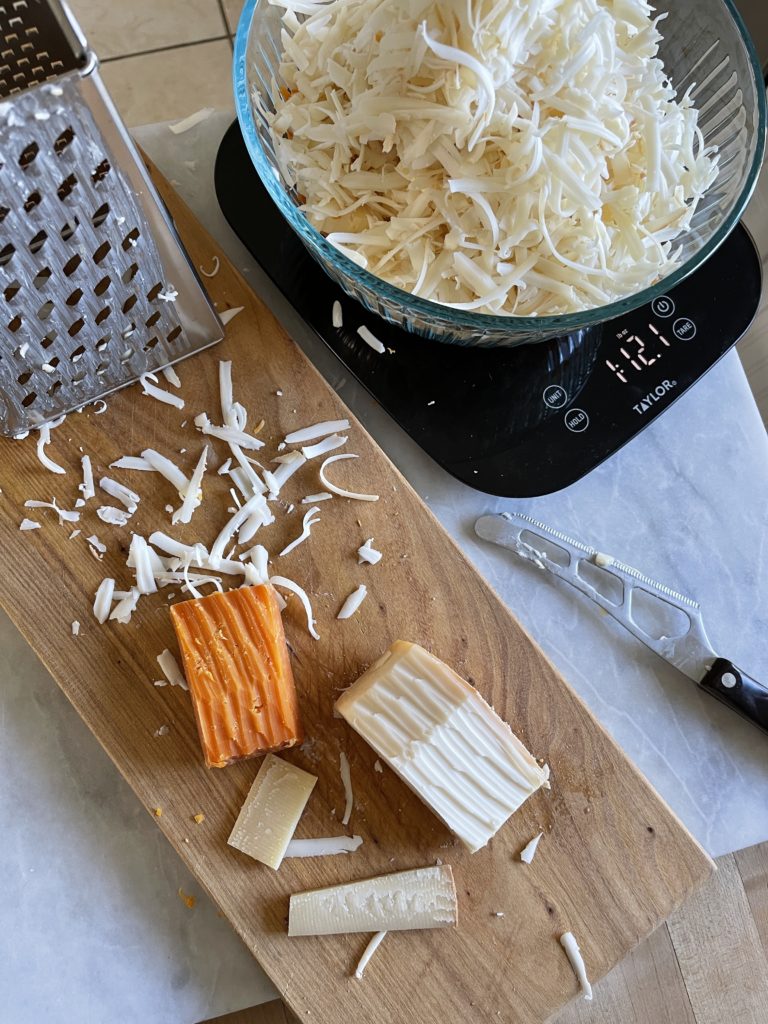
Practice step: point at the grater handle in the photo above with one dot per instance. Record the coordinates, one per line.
(739, 691)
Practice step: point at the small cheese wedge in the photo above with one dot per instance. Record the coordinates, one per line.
(443, 740)
(271, 812)
(406, 900)
(239, 673)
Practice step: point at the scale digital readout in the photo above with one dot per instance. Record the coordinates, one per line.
(516, 422)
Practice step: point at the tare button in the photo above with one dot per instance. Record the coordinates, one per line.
(684, 328)
(576, 420)
(554, 396)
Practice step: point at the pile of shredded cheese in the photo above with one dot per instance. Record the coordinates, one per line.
(514, 157)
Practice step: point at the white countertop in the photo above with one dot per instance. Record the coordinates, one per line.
(91, 926)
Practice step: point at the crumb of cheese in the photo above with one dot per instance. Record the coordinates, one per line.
(157, 811)
(198, 818)
(185, 898)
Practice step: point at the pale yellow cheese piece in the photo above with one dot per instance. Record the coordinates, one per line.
(443, 740)
(405, 900)
(271, 812)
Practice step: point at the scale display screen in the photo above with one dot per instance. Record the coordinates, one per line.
(523, 421)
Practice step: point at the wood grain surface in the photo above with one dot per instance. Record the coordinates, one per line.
(614, 861)
(650, 985)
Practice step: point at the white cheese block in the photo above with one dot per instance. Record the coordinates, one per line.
(443, 740)
(271, 812)
(422, 898)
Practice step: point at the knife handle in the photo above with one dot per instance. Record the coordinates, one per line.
(739, 691)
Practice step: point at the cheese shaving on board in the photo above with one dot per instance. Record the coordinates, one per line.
(171, 376)
(132, 462)
(166, 468)
(228, 434)
(153, 391)
(367, 553)
(315, 431)
(139, 556)
(86, 488)
(346, 779)
(123, 494)
(529, 851)
(229, 314)
(75, 628)
(511, 158)
(340, 490)
(312, 498)
(211, 273)
(44, 438)
(282, 581)
(29, 524)
(328, 444)
(308, 523)
(571, 947)
(171, 670)
(326, 846)
(113, 516)
(192, 495)
(368, 952)
(353, 602)
(125, 607)
(103, 599)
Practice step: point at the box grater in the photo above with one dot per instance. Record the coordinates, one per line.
(96, 287)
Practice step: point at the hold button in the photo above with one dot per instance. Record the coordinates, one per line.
(576, 420)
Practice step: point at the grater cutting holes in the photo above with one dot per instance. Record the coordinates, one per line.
(95, 288)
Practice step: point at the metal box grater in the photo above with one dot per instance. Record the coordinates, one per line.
(95, 286)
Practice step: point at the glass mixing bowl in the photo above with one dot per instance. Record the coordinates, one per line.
(704, 41)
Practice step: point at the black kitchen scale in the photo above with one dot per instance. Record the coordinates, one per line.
(516, 422)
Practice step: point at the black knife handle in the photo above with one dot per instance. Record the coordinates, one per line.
(739, 691)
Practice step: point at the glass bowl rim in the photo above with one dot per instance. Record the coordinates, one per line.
(483, 323)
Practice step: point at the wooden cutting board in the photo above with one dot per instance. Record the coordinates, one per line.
(614, 861)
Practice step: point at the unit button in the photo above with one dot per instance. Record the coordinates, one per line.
(576, 420)
(663, 306)
(684, 329)
(554, 396)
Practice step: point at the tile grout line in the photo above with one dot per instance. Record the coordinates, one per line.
(165, 49)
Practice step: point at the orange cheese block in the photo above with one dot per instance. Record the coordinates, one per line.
(239, 674)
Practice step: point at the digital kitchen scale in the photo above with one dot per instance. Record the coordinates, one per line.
(516, 422)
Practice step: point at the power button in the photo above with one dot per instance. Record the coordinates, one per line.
(663, 306)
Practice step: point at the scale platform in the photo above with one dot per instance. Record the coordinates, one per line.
(515, 422)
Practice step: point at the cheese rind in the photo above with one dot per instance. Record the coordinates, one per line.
(443, 740)
(406, 900)
(271, 812)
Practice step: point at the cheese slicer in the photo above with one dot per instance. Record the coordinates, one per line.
(620, 590)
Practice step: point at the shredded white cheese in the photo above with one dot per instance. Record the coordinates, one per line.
(368, 952)
(75, 628)
(346, 778)
(44, 438)
(311, 517)
(64, 515)
(518, 158)
(367, 553)
(139, 556)
(29, 524)
(228, 434)
(328, 444)
(229, 314)
(123, 494)
(132, 462)
(315, 431)
(214, 272)
(571, 947)
(377, 766)
(282, 581)
(340, 490)
(113, 516)
(171, 670)
(94, 541)
(337, 317)
(160, 464)
(160, 394)
(327, 846)
(192, 121)
(192, 495)
(86, 488)
(171, 376)
(353, 602)
(310, 499)
(125, 607)
(370, 339)
(528, 852)
(103, 600)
